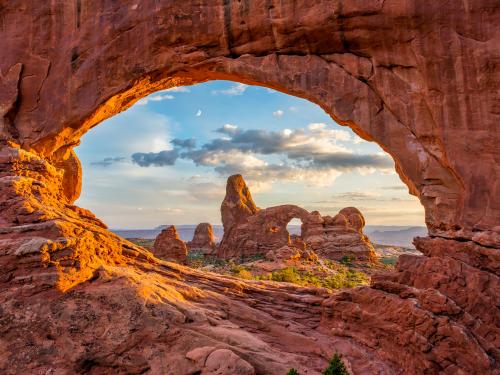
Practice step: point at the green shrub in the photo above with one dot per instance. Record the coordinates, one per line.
(244, 274)
(336, 366)
(347, 260)
(241, 272)
(292, 371)
(287, 275)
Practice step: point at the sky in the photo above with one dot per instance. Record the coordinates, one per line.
(166, 159)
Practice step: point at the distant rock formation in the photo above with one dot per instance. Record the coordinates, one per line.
(169, 246)
(238, 204)
(339, 236)
(249, 230)
(203, 239)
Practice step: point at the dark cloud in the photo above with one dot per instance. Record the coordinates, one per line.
(307, 147)
(184, 143)
(157, 159)
(312, 153)
(347, 161)
(106, 162)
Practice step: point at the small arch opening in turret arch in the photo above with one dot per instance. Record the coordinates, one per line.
(294, 227)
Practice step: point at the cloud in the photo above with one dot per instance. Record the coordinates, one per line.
(228, 129)
(395, 187)
(315, 154)
(182, 89)
(206, 191)
(155, 98)
(364, 196)
(184, 143)
(106, 162)
(198, 113)
(357, 196)
(262, 174)
(156, 159)
(235, 90)
(315, 146)
(279, 113)
(173, 210)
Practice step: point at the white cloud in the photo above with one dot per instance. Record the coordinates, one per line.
(198, 113)
(237, 89)
(178, 89)
(316, 126)
(279, 113)
(155, 98)
(229, 129)
(173, 210)
(206, 192)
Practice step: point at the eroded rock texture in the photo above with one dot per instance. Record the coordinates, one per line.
(420, 78)
(203, 239)
(169, 246)
(249, 230)
(339, 236)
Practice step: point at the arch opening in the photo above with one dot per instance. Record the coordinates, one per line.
(186, 130)
(439, 220)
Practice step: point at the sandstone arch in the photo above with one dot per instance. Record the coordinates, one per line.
(416, 78)
(392, 98)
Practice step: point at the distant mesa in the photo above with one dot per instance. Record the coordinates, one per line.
(169, 246)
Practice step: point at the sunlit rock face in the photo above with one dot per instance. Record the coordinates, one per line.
(169, 246)
(203, 239)
(250, 231)
(419, 78)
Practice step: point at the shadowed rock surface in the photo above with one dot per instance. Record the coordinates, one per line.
(419, 78)
(168, 246)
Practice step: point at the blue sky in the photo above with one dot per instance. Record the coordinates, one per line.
(166, 159)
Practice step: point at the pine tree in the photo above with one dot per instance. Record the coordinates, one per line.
(292, 371)
(336, 366)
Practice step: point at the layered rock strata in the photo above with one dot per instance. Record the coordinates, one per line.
(339, 236)
(419, 78)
